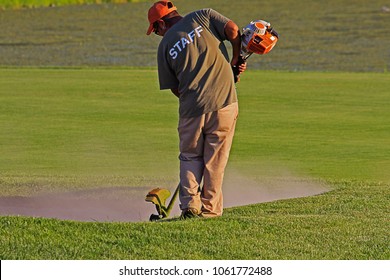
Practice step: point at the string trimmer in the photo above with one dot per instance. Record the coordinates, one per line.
(257, 37)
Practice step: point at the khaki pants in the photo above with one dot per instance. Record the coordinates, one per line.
(205, 143)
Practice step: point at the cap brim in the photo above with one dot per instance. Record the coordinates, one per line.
(150, 29)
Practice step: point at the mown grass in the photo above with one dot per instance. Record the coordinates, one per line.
(328, 125)
(96, 126)
(68, 127)
(79, 128)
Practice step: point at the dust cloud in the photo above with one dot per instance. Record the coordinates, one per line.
(240, 190)
(127, 204)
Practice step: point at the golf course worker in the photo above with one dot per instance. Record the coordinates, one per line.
(194, 64)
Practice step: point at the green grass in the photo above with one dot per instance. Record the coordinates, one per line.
(96, 126)
(79, 128)
(116, 122)
(349, 223)
(328, 125)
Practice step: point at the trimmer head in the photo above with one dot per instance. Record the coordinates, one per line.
(158, 197)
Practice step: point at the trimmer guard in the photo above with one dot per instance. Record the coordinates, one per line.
(158, 197)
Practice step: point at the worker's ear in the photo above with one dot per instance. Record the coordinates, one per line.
(162, 24)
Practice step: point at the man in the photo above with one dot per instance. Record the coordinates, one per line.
(193, 63)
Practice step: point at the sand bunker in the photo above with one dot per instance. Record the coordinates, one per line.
(127, 203)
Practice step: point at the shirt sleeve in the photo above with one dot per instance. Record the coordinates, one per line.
(218, 23)
(166, 76)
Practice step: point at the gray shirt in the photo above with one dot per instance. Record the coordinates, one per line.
(192, 58)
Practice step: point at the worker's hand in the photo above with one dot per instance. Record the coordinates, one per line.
(239, 66)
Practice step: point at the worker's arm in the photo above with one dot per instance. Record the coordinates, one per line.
(232, 33)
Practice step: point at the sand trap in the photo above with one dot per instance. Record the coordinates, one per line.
(127, 204)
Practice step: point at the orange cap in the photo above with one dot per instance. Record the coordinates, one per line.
(159, 10)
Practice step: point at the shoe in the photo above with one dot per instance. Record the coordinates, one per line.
(190, 213)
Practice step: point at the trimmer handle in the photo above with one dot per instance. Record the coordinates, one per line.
(236, 73)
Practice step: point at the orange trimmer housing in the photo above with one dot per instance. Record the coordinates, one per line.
(258, 37)
(261, 44)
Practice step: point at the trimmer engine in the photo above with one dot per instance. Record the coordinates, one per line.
(257, 37)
